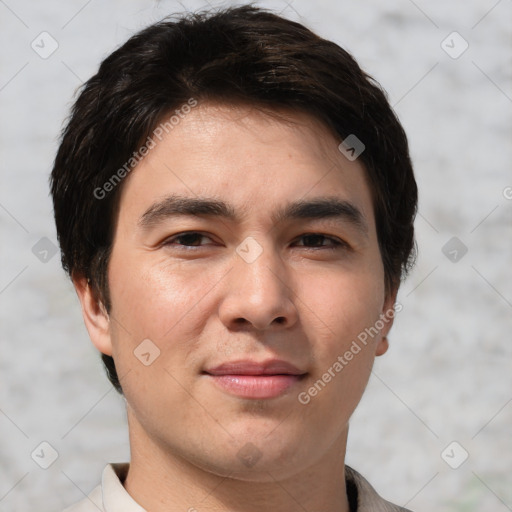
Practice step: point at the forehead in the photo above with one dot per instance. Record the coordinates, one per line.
(216, 127)
(253, 159)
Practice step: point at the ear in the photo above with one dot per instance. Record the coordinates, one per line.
(95, 315)
(387, 316)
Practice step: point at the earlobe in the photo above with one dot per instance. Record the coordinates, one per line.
(387, 316)
(382, 346)
(96, 318)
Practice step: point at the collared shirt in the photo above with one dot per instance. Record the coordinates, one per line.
(111, 496)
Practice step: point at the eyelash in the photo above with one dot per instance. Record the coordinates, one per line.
(336, 243)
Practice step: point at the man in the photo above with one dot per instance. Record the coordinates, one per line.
(234, 201)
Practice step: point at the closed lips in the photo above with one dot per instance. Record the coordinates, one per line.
(253, 380)
(274, 367)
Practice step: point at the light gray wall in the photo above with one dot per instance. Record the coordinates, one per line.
(447, 376)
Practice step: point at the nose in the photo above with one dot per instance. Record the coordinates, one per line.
(258, 294)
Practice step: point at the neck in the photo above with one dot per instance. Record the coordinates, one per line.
(160, 480)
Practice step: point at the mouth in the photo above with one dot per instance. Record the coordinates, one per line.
(254, 380)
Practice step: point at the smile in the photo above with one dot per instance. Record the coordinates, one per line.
(252, 380)
(256, 386)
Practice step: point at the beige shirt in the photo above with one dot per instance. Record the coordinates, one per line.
(111, 496)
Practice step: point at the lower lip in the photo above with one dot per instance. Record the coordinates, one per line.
(256, 386)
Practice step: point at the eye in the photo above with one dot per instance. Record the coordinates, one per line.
(186, 239)
(315, 241)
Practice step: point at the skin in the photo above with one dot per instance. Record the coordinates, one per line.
(202, 304)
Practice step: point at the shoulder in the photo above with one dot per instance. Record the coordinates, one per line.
(110, 495)
(367, 498)
(92, 503)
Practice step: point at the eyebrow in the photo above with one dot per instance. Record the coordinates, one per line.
(317, 208)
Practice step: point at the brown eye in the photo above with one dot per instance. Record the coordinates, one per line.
(316, 241)
(188, 239)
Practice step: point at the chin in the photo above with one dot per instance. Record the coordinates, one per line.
(264, 469)
(258, 457)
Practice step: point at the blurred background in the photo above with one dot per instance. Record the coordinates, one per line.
(433, 431)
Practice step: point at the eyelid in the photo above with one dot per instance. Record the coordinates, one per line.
(336, 243)
(168, 240)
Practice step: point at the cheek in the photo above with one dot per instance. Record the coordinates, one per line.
(152, 299)
(342, 306)
(340, 314)
(162, 305)
(156, 319)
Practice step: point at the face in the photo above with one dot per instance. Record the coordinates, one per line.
(245, 269)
